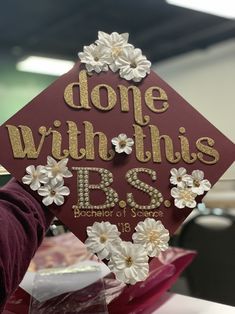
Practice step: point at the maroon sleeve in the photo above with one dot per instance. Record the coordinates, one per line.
(23, 222)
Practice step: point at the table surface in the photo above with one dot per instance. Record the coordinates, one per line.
(180, 304)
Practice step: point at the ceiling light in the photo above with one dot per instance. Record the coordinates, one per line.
(43, 65)
(224, 8)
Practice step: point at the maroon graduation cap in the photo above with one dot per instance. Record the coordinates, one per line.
(115, 144)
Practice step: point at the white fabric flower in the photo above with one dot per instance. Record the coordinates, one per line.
(34, 177)
(179, 177)
(56, 171)
(184, 197)
(114, 44)
(152, 235)
(133, 65)
(123, 144)
(129, 262)
(101, 237)
(96, 58)
(198, 183)
(54, 193)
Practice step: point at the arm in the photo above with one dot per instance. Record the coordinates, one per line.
(23, 222)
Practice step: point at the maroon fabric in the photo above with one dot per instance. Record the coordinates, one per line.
(23, 222)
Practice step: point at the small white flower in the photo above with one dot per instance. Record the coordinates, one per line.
(184, 197)
(56, 171)
(114, 44)
(152, 235)
(54, 193)
(101, 237)
(197, 182)
(133, 65)
(123, 144)
(35, 177)
(129, 262)
(179, 177)
(96, 58)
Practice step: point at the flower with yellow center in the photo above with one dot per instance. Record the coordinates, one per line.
(34, 177)
(101, 237)
(56, 171)
(183, 197)
(115, 44)
(152, 235)
(129, 262)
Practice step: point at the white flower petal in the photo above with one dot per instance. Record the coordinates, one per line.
(59, 199)
(115, 141)
(51, 161)
(175, 192)
(103, 254)
(64, 190)
(43, 191)
(206, 185)
(130, 141)
(47, 200)
(122, 137)
(180, 203)
(127, 150)
(67, 174)
(191, 204)
(27, 179)
(63, 163)
(118, 149)
(35, 185)
(44, 179)
(30, 170)
(198, 175)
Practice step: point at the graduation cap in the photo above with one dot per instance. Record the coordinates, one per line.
(116, 154)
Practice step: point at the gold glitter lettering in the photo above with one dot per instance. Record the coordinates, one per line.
(111, 97)
(207, 150)
(83, 89)
(125, 107)
(139, 145)
(162, 96)
(186, 156)
(57, 143)
(156, 146)
(22, 141)
(73, 141)
(103, 143)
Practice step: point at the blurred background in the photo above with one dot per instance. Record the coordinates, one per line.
(191, 45)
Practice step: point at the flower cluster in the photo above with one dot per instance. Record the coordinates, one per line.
(188, 187)
(112, 51)
(127, 260)
(48, 180)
